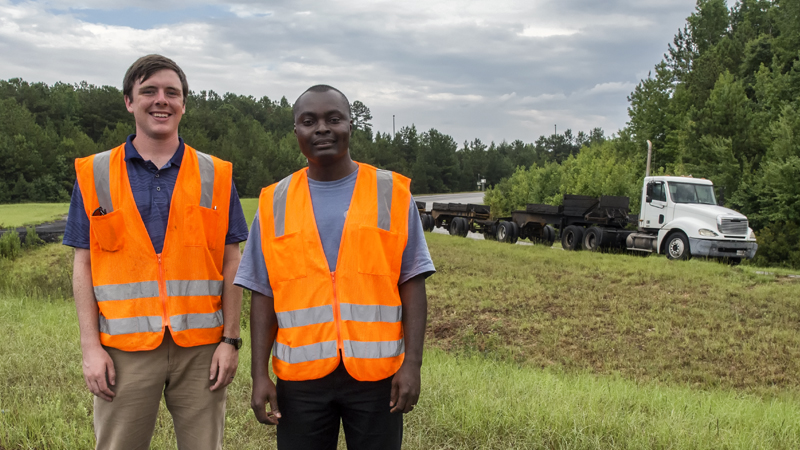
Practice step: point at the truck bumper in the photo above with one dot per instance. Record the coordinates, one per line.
(723, 249)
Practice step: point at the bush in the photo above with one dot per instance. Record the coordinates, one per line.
(10, 246)
(31, 238)
(779, 245)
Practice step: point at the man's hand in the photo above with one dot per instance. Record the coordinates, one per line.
(96, 365)
(223, 365)
(405, 389)
(264, 392)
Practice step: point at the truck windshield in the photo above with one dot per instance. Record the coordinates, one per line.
(692, 193)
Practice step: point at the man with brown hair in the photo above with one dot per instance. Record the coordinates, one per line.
(156, 227)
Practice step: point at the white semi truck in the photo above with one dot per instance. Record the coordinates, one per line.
(679, 217)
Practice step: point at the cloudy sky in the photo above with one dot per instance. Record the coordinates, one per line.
(493, 70)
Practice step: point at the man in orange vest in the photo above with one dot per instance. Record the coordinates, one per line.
(337, 262)
(156, 227)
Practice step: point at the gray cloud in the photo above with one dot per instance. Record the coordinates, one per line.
(505, 70)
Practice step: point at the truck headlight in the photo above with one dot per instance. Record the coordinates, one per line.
(705, 232)
(753, 235)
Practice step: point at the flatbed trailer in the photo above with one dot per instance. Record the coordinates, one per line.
(538, 223)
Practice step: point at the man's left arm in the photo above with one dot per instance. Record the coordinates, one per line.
(406, 382)
(226, 357)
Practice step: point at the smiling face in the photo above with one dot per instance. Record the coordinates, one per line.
(157, 105)
(322, 125)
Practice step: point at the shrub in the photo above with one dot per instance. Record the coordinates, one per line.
(779, 245)
(10, 246)
(31, 238)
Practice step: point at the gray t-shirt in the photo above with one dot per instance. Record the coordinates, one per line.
(331, 201)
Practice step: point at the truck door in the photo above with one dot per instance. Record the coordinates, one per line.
(654, 210)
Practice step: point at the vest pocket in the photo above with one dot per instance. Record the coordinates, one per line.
(201, 227)
(288, 258)
(378, 250)
(109, 230)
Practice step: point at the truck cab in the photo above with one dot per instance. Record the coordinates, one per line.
(683, 213)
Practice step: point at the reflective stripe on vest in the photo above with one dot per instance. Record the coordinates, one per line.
(371, 313)
(206, 179)
(185, 322)
(303, 317)
(146, 289)
(102, 181)
(305, 353)
(384, 199)
(374, 350)
(141, 324)
(279, 205)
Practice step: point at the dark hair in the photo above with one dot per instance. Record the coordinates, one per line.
(145, 67)
(322, 88)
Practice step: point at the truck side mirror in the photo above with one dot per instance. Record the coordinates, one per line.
(648, 199)
(649, 190)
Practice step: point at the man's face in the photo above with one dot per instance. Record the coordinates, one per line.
(157, 105)
(322, 127)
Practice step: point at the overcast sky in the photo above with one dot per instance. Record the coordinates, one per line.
(494, 70)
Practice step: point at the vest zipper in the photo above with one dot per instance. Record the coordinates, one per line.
(337, 314)
(162, 292)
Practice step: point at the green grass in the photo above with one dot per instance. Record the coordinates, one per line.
(695, 323)
(527, 347)
(249, 206)
(21, 214)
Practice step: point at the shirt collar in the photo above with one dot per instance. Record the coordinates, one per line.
(132, 153)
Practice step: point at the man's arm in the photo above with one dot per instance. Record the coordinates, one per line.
(226, 357)
(98, 368)
(263, 329)
(406, 382)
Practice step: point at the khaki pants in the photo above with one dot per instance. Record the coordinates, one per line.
(181, 373)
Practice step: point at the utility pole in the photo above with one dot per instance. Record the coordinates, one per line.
(555, 129)
(392, 126)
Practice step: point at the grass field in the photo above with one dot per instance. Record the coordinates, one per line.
(17, 215)
(527, 347)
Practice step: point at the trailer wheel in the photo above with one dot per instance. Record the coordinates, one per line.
(504, 231)
(514, 233)
(593, 239)
(430, 222)
(678, 246)
(453, 226)
(463, 227)
(549, 234)
(571, 237)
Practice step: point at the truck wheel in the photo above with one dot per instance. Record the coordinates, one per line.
(678, 247)
(504, 231)
(571, 237)
(549, 235)
(593, 239)
(431, 222)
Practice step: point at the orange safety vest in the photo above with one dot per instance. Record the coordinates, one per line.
(357, 308)
(139, 292)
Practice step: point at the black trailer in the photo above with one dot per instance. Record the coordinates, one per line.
(583, 222)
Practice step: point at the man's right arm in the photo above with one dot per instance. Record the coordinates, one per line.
(98, 368)
(263, 329)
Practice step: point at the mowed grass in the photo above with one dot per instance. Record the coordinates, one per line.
(527, 347)
(17, 215)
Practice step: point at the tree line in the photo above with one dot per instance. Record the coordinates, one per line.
(723, 104)
(43, 128)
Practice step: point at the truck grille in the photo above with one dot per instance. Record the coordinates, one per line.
(737, 226)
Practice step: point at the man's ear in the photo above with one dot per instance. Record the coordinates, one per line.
(351, 126)
(128, 103)
(294, 129)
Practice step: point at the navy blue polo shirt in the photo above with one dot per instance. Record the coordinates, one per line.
(152, 190)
